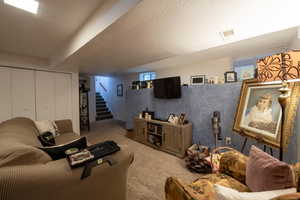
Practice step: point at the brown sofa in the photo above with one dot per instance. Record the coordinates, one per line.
(232, 174)
(28, 173)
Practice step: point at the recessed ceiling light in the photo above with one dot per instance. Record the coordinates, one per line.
(227, 35)
(28, 5)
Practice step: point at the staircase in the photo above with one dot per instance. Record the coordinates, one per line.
(101, 109)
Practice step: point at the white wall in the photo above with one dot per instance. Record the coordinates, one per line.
(92, 100)
(10, 60)
(115, 103)
(295, 43)
(208, 68)
(75, 102)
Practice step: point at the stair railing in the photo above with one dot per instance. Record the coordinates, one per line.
(102, 86)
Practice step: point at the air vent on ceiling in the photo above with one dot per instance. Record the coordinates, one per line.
(227, 35)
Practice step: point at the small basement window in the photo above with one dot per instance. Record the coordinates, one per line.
(147, 76)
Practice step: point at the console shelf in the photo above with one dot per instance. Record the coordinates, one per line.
(164, 136)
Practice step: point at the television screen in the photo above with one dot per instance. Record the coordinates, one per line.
(167, 88)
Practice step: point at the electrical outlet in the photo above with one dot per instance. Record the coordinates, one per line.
(228, 140)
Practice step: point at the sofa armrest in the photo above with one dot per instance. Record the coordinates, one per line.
(64, 126)
(56, 180)
(176, 190)
(233, 163)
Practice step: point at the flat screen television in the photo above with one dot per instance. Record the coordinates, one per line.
(167, 88)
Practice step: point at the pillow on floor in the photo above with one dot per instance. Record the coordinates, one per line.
(47, 126)
(264, 172)
(224, 193)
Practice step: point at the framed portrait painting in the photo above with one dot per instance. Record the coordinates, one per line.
(259, 113)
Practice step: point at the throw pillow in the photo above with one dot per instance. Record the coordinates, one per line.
(47, 126)
(224, 193)
(264, 172)
(58, 152)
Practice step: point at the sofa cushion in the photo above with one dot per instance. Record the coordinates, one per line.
(224, 193)
(14, 153)
(233, 163)
(64, 126)
(264, 172)
(47, 126)
(65, 138)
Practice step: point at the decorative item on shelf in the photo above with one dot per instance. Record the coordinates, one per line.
(135, 85)
(84, 84)
(176, 119)
(171, 118)
(120, 90)
(216, 80)
(211, 80)
(230, 77)
(149, 84)
(221, 80)
(245, 72)
(182, 119)
(283, 68)
(216, 127)
(143, 84)
(148, 114)
(198, 80)
(84, 109)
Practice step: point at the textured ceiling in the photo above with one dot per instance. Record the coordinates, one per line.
(244, 49)
(40, 35)
(152, 33)
(159, 29)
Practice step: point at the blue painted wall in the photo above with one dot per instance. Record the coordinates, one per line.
(199, 102)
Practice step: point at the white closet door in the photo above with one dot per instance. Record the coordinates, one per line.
(63, 102)
(5, 100)
(23, 93)
(45, 95)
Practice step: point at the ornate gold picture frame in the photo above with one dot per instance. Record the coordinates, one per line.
(258, 114)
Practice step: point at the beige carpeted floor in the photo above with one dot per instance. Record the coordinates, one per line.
(150, 168)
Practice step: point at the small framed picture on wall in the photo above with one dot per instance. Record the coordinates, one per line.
(230, 77)
(245, 72)
(120, 90)
(198, 80)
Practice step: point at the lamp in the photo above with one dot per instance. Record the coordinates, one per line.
(283, 67)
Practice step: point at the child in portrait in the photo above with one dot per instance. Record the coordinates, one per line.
(260, 115)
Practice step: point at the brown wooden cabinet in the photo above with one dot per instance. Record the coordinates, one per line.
(171, 138)
(140, 130)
